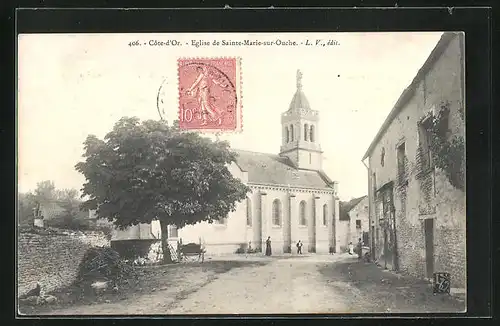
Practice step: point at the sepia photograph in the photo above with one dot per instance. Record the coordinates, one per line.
(241, 173)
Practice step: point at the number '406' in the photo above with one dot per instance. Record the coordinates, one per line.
(133, 43)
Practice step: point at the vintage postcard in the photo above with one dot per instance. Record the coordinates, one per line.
(266, 173)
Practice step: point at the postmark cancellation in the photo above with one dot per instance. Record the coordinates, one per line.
(210, 94)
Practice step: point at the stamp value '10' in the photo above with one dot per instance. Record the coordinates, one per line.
(210, 94)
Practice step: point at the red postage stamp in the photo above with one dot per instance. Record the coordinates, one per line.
(210, 94)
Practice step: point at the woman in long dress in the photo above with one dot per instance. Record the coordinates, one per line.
(201, 90)
(268, 246)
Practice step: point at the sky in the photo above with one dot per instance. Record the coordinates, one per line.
(73, 85)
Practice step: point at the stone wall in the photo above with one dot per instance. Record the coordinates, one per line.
(52, 259)
(420, 194)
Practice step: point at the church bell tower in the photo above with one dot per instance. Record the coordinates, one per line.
(299, 126)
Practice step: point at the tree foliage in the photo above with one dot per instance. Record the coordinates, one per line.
(26, 204)
(142, 171)
(448, 151)
(46, 193)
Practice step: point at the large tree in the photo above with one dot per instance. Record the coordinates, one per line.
(45, 191)
(145, 171)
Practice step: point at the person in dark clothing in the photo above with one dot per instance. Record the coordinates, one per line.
(268, 246)
(360, 248)
(299, 247)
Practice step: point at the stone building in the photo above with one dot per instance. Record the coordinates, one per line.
(353, 222)
(291, 198)
(416, 171)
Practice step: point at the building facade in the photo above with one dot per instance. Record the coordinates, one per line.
(353, 222)
(416, 172)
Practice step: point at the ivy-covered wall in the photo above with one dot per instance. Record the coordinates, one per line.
(431, 184)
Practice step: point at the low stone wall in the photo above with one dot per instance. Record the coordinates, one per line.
(52, 258)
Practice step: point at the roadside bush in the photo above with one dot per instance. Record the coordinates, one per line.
(245, 249)
(132, 249)
(242, 248)
(102, 264)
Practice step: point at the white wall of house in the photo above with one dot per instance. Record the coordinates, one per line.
(359, 213)
(348, 230)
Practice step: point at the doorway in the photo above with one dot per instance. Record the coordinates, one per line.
(365, 239)
(386, 247)
(429, 246)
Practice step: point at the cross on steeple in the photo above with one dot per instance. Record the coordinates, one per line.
(299, 79)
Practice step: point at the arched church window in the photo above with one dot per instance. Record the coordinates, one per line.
(291, 132)
(306, 131)
(249, 212)
(302, 212)
(311, 134)
(325, 214)
(277, 212)
(287, 132)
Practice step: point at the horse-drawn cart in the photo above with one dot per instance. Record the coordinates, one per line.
(191, 252)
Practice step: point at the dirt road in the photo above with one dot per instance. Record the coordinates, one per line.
(286, 285)
(291, 285)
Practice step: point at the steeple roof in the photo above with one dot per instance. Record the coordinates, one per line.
(299, 100)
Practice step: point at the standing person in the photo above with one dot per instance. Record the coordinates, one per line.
(268, 246)
(351, 248)
(360, 248)
(299, 247)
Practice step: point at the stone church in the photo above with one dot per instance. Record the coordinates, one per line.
(291, 198)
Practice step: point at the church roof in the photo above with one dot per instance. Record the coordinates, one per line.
(273, 169)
